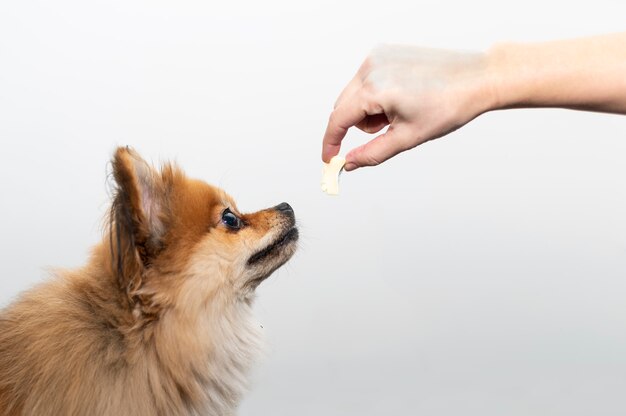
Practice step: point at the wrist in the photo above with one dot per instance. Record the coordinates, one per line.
(505, 76)
(527, 75)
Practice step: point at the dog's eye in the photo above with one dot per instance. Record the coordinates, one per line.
(231, 220)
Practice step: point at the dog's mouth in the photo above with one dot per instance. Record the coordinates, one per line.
(275, 248)
(265, 261)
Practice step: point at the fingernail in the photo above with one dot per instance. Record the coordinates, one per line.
(349, 166)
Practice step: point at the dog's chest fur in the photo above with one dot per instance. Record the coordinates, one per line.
(64, 352)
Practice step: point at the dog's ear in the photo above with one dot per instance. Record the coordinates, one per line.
(138, 217)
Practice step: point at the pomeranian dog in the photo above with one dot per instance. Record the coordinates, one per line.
(159, 320)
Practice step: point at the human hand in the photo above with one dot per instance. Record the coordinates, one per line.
(420, 93)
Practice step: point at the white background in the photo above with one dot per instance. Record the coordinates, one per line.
(480, 274)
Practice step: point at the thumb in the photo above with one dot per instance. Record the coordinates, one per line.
(379, 149)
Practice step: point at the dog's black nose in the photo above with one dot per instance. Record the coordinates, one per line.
(284, 207)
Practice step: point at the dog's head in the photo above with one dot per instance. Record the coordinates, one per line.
(180, 242)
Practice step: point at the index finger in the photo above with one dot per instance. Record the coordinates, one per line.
(346, 115)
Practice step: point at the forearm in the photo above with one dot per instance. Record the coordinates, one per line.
(586, 74)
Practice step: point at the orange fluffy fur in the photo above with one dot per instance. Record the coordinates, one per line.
(159, 320)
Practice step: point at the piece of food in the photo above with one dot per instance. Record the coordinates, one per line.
(330, 176)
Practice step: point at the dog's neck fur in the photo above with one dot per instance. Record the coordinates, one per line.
(202, 348)
(206, 357)
(188, 362)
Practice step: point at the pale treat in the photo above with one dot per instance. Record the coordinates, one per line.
(330, 177)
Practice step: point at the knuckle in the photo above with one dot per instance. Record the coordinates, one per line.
(408, 141)
(372, 160)
(367, 158)
(373, 106)
(368, 88)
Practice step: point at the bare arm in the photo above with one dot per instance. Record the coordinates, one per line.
(423, 94)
